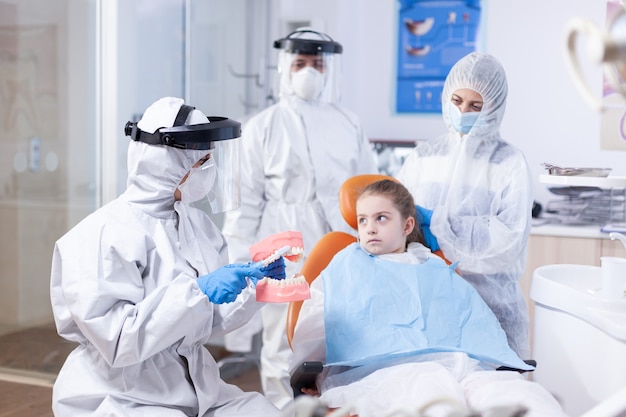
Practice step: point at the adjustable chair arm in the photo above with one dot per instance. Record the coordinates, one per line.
(305, 376)
(530, 362)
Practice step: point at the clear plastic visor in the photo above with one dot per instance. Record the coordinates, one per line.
(224, 194)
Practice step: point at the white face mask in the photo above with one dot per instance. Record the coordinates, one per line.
(307, 83)
(199, 182)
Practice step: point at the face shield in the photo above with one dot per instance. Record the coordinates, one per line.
(309, 66)
(213, 184)
(225, 195)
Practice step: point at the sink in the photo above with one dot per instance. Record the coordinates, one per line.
(575, 289)
(579, 338)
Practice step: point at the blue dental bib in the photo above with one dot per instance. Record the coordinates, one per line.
(377, 310)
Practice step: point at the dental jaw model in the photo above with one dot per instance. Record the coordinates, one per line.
(288, 244)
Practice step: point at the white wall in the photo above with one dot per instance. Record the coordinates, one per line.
(546, 116)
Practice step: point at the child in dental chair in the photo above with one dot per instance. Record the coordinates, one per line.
(396, 327)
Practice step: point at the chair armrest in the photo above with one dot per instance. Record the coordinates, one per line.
(304, 376)
(530, 362)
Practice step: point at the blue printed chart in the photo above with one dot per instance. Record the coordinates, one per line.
(432, 36)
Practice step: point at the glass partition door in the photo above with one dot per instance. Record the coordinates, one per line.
(72, 73)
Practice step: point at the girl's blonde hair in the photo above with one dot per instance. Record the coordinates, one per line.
(402, 200)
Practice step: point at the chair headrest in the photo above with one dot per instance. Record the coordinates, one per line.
(349, 192)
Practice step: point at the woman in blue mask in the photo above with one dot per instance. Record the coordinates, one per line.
(474, 192)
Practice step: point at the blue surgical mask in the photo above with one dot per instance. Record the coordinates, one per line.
(461, 122)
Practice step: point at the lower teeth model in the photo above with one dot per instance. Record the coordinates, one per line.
(270, 290)
(288, 244)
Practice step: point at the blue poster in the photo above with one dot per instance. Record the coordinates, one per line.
(432, 36)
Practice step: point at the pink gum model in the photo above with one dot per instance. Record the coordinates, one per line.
(270, 290)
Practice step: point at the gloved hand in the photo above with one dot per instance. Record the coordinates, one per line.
(423, 216)
(275, 270)
(226, 283)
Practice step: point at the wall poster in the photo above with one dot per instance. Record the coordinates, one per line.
(432, 36)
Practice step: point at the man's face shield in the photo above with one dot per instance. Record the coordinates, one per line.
(212, 184)
(303, 51)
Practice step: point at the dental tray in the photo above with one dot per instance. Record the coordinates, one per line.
(576, 172)
(586, 200)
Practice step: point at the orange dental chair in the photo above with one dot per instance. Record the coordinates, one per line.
(320, 256)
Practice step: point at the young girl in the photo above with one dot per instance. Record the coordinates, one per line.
(396, 327)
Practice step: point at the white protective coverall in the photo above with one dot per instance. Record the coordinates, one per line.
(123, 286)
(479, 188)
(295, 156)
(407, 383)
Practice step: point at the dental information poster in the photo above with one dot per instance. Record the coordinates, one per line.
(432, 36)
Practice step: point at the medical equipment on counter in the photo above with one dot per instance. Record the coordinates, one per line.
(586, 200)
(307, 406)
(606, 47)
(582, 172)
(579, 338)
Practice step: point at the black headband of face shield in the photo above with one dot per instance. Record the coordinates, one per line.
(308, 46)
(198, 136)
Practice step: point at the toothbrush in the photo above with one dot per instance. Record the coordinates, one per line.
(274, 256)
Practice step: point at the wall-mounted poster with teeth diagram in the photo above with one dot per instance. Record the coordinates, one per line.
(432, 36)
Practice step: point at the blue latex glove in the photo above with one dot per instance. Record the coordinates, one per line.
(275, 270)
(423, 217)
(225, 284)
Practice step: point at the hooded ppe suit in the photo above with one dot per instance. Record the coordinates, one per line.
(295, 156)
(479, 189)
(388, 372)
(123, 286)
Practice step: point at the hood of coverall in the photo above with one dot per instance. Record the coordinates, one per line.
(482, 73)
(154, 171)
(332, 63)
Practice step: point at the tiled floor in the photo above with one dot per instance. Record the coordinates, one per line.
(30, 359)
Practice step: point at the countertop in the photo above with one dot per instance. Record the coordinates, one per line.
(541, 228)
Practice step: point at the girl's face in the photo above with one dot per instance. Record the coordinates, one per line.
(380, 225)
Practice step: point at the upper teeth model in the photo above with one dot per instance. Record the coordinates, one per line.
(267, 246)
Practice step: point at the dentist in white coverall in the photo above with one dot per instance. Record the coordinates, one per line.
(295, 156)
(142, 283)
(474, 192)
